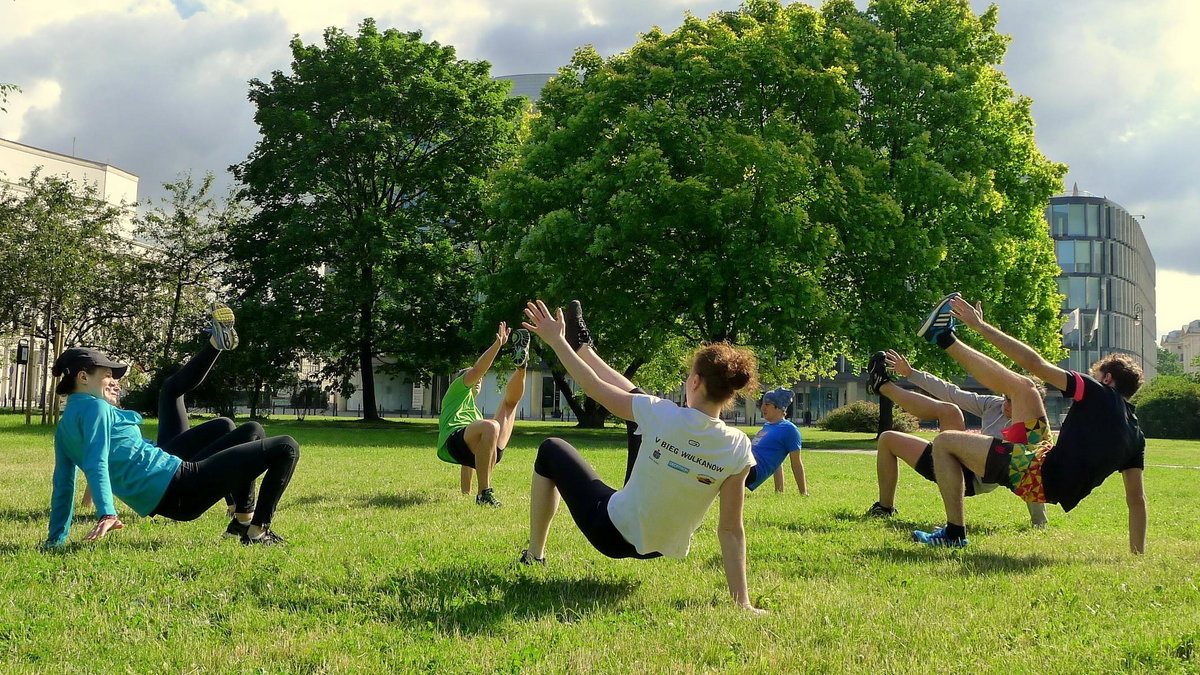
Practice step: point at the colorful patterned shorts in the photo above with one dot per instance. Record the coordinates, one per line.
(1019, 464)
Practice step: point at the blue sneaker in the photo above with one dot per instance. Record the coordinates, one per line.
(939, 320)
(938, 538)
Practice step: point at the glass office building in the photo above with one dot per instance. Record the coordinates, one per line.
(1108, 275)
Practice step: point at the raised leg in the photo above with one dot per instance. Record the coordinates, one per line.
(923, 407)
(506, 414)
(1027, 405)
(172, 412)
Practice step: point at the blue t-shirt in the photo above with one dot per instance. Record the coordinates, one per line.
(106, 443)
(772, 443)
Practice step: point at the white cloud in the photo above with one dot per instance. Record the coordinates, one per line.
(1178, 300)
(33, 100)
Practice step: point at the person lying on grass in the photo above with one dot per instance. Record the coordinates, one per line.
(945, 403)
(464, 437)
(687, 458)
(106, 443)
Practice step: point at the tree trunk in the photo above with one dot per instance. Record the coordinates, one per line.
(366, 351)
(171, 321)
(253, 397)
(593, 416)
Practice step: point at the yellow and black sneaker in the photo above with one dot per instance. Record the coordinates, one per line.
(221, 326)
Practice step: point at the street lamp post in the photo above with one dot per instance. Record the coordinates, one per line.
(1137, 321)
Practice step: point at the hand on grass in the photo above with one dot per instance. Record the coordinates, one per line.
(106, 523)
(897, 363)
(543, 323)
(971, 315)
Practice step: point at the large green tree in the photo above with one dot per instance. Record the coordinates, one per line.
(805, 181)
(185, 235)
(1169, 363)
(75, 282)
(367, 182)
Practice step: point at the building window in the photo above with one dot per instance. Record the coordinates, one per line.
(1083, 256)
(1093, 293)
(1093, 220)
(1076, 227)
(1058, 220)
(1066, 255)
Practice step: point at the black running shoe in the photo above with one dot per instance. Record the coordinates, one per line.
(520, 338)
(528, 559)
(237, 529)
(939, 320)
(221, 326)
(578, 334)
(877, 374)
(268, 538)
(487, 498)
(877, 510)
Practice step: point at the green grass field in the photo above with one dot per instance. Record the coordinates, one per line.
(390, 569)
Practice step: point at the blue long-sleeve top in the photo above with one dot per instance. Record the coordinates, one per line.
(107, 444)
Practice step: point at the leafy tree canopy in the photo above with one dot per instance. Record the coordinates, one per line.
(807, 181)
(367, 182)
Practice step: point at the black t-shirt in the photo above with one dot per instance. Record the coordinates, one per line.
(1099, 436)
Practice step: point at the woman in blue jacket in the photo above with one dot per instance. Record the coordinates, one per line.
(106, 443)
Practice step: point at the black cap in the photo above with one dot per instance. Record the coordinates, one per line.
(78, 359)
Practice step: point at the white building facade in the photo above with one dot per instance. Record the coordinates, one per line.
(115, 186)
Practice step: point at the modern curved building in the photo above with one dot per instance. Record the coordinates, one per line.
(528, 85)
(1108, 275)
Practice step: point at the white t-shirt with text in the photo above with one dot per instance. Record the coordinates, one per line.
(684, 457)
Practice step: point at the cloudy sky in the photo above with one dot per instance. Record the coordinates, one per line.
(157, 87)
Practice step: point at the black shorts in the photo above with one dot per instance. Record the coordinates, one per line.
(925, 468)
(457, 446)
(751, 475)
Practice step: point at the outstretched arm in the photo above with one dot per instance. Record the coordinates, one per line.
(1135, 500)
(477, 371)
(1021, 354)
(732, 534)
(552, 330)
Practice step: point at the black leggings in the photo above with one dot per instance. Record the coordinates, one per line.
(586, 496)
(198, 485)
(192, 444)
(172, 412)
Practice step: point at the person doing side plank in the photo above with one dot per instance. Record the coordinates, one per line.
(687, 457)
